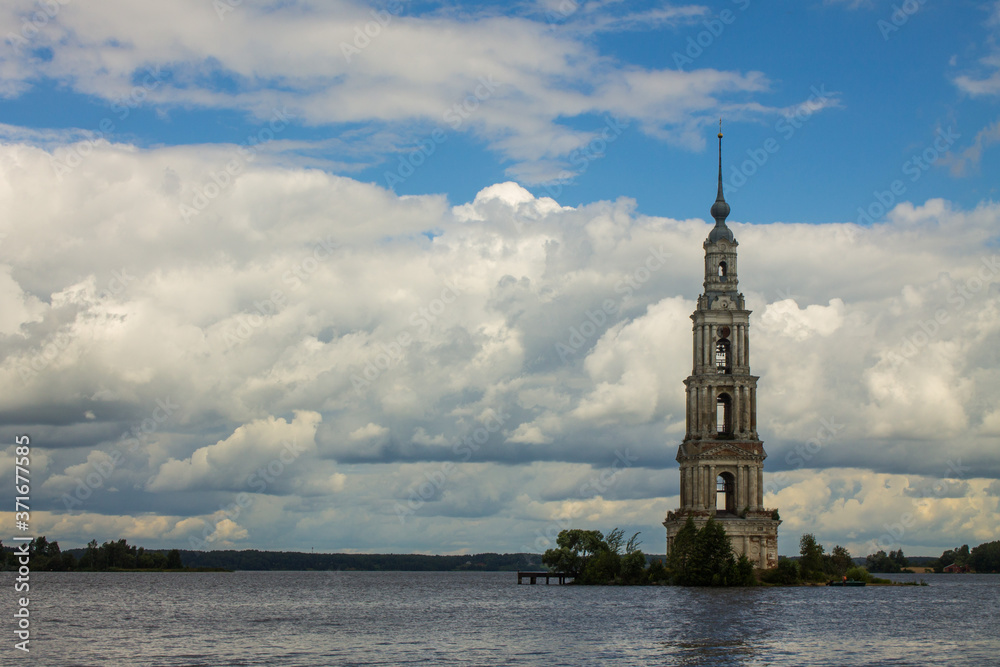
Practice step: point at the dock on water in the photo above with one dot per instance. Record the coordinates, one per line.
(533, 577)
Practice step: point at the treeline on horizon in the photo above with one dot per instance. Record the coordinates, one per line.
(45, 556)
(253, 559)
(119, 555)
(983, 559)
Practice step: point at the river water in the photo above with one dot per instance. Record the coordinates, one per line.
(443, 618)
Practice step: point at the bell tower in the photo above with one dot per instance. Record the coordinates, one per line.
(721, 458)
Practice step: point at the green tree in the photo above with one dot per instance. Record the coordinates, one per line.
(682, 551)
(174, 560)
(575, 548)
(811, 560)
(986, 557)
(840, 561)
(594, 559)
(603, 568)
(705, 558)
(657, 573)
(715, 563)
(744, 574)
(947, 558)
(962, 555)
(615, 540)
(880, 561)
(787, 573)
(633, 563)
(633, 568)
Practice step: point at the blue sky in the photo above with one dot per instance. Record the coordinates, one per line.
(237, 208)
(890, 88)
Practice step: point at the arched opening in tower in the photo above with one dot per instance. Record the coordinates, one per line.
(725, 493)
(722, 357)
(724, 414)
(722, 269)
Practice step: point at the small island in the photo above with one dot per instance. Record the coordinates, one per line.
(705, 557)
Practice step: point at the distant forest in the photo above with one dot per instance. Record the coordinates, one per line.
(252, 559)
(119, 555)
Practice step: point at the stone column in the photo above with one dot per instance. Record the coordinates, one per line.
(711, 488)
(745, 409)
(760, 486)
(746, 345)
(743, 347)
(753, 490)
(735, 350)
(694, 349)
(739, 487)
(700, 412)
(687, 410)
(711, 348)
(709, 410)
(739, 337)
(743, 495)
(704, 345)
(737, 408)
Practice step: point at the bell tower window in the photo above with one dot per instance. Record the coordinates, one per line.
(722, 357)
(725, 493)
(724, 414)
(722, 269)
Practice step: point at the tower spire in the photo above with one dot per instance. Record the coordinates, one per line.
(720, 209)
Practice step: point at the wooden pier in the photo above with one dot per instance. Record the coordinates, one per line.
(533, 577)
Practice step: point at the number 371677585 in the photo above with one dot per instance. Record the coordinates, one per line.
(22, 484)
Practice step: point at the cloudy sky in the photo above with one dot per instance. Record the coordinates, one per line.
(417, 276)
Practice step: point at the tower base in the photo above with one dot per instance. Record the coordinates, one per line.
(754, 535)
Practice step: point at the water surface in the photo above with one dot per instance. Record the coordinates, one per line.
(441, 618)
